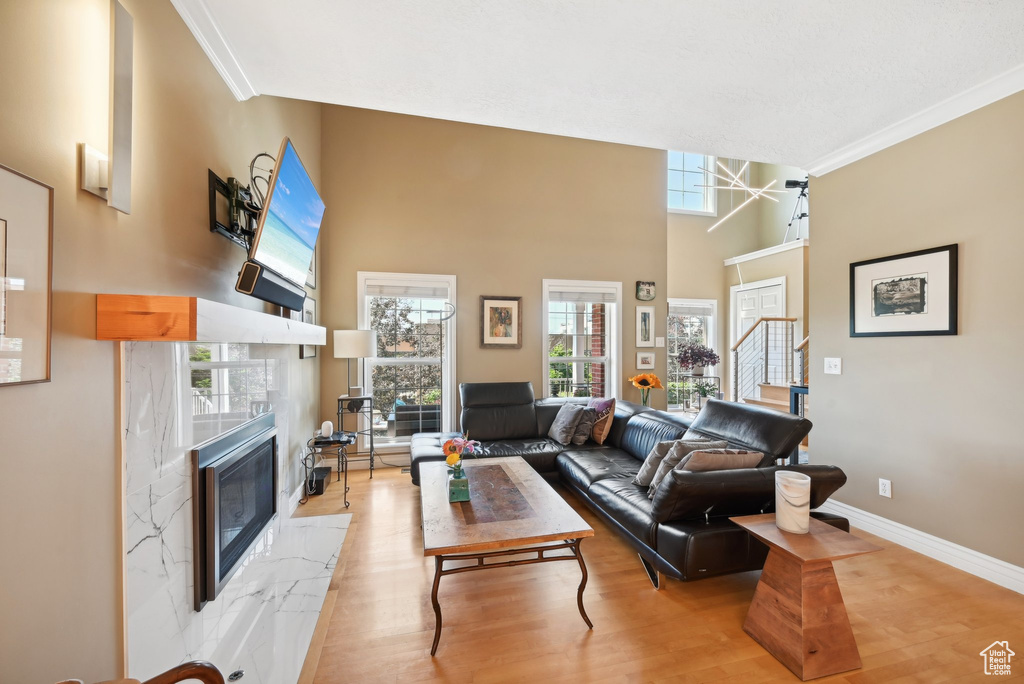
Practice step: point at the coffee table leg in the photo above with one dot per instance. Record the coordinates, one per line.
(438, 562)
(583, 583)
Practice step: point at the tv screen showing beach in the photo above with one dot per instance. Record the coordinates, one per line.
(291, 221)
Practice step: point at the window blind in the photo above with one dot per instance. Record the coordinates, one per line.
(409, 289)
(582, 293)
(690, 309)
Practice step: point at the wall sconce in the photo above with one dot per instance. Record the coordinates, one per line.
(110, 176)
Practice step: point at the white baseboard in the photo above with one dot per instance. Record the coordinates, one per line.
(293, 500)
(992, 569)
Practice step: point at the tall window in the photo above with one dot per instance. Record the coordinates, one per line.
(412, 378)
(685, 178)
(690, 321)
(581, 323)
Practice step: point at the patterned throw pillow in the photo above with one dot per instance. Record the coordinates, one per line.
(721, 459)
(564, 427)
(605, 413)
(651, 463)
(679, 451)
(585, 426)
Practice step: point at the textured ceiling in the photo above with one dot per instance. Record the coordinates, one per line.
(786, 82)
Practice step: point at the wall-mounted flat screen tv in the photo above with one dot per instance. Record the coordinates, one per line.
(290, 220)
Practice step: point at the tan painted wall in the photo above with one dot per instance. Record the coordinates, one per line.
(59, 558)
(775, 216)
(500, 209)
(939, 416)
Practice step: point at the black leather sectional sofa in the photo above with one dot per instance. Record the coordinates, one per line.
(684, 532)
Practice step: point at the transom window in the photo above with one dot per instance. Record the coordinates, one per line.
(580, 330)
(685, 180)
(412, 377)
(690, 321)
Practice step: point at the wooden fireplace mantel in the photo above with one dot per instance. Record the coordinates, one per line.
(157, 318)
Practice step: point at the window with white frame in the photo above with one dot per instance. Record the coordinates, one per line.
(687, 191)
(412, 377)
(690, 321)
(581, 323)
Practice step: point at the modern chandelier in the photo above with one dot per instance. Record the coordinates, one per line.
(735, 182)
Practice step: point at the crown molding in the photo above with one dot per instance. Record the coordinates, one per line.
(204, 27)
(974, 562)
(985, 93)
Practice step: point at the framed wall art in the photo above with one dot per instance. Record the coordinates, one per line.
(645, 326)
(645, 290)
(501, 322)
(905, 294)
(26, 251)
(308, 351)
(644, 360)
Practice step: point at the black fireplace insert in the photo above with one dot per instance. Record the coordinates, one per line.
(234, 499)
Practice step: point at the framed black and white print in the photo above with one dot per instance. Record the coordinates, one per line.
(645, 326)
(905, 294)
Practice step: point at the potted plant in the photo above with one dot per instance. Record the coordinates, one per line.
(694, 358)
(704, 389)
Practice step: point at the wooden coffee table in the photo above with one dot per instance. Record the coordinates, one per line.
(512, 511)
(797, 612)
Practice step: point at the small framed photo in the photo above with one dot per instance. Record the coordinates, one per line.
(907, 294)
(645, 290)
(644, 360)
(501, 322)
(308, 351)
(645, 326)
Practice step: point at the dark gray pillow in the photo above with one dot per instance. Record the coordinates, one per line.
(585, 426)
(564, 427)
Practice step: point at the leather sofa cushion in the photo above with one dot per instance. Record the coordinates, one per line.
(539, 452)
(584, 467)
(643, 432)
(498, 410)
(686, 495)
(426, 447)
(756, 428)
(628, 504)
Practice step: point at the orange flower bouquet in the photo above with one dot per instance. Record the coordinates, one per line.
(453, 450)
(645, 382)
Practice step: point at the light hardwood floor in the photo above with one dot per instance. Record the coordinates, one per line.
(915, 619)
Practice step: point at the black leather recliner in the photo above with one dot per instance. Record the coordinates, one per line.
(684, 532)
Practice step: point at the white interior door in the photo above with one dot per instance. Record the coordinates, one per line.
(751, 302)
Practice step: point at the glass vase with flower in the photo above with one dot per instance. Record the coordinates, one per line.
(645, 382)
(454, 449)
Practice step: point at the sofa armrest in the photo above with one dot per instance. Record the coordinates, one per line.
(683, 494)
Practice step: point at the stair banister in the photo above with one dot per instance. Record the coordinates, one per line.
(764, 322)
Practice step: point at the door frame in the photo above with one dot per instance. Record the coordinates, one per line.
(733, 296)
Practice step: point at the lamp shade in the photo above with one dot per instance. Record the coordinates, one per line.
(355, 344)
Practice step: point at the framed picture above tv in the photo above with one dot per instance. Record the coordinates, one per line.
(914, 293)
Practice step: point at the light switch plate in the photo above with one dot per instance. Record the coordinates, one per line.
(833, 366)
(94, 170)
(659, 341)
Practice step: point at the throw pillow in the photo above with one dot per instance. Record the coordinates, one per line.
(565, 423)
(605, 413)
(651, 463)
(721, 459)
(585, 426)
(679, 451)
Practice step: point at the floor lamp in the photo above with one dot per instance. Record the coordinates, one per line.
(354, 344)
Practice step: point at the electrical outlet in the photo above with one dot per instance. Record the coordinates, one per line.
(833, 366)
(884, 488)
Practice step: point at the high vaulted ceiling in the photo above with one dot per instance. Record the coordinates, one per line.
(811, 84)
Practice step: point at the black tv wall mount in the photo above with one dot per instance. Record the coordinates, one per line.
(232, 217)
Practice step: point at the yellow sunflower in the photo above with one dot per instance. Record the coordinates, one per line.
(646, 381)
(453, 459)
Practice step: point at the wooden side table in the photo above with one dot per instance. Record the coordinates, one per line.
(797, 613)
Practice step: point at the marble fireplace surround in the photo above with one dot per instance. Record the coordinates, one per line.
(263, 620)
